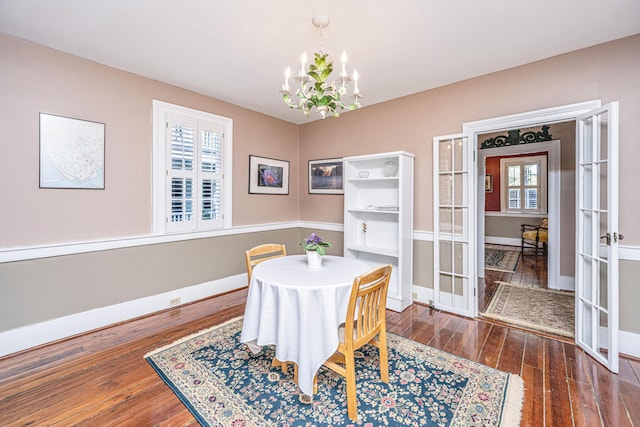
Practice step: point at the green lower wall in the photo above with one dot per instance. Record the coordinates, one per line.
(43, 289)
(48, 288)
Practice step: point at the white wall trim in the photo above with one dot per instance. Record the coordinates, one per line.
(422, 295)
(426, 236)
(629, 343)
(508, 241)
(566, 283)
(71, 248)
(25, 337)
(629, 253)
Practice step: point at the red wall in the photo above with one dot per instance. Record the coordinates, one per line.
(492, 199)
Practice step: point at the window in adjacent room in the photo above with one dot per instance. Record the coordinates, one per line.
(523, 184)
(191, 192)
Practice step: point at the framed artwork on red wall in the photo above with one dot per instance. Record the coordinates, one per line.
(488, 183)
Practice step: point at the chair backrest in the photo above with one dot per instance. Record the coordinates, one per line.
(366, 315)
(261, 253)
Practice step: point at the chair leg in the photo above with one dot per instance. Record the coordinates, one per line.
(295, 378)
(384, 357)
(283, 365)
(352, 401)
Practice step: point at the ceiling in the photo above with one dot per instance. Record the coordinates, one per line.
(237, 50)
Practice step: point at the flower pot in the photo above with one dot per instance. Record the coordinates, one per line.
(314, 259)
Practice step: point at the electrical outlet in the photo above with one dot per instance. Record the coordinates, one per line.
(414, 295)
(175, 301)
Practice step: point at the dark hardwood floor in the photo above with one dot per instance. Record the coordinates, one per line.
(531, 270)
(101, 378)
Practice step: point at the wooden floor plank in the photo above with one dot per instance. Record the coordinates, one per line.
(512, 354)
(493, 346)
(533, 406)
(558, 410)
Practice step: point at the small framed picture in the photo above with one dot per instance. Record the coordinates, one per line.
(268, 176)
(71, 153)
(325, 176)
(488, 183)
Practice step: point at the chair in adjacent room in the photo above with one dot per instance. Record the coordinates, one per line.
(261, 253)
(533, 235)
(365, 323)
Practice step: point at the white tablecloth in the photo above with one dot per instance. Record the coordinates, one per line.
(299, 309)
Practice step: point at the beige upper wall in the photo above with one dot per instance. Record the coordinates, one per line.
(35, 79)
(610, 72)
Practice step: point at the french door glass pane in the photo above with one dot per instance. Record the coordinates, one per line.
(446, 263)
(445, 156)
(446, 220)
(446, 190)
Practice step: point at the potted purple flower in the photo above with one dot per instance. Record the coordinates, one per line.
(315, 248)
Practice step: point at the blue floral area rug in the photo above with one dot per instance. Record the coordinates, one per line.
(224, 384)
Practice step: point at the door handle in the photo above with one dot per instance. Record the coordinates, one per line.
(617, 237)
(608, 237)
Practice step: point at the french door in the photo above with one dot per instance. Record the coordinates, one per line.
(454, 226)
(597, 234)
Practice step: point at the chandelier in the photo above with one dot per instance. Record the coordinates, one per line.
(314, 91)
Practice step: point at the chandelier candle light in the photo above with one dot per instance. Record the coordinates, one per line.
(314, 91)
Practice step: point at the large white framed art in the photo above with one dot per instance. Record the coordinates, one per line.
(71, 153)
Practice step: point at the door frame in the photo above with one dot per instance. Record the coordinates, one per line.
(528, 119)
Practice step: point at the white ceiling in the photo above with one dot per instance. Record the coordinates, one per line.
(237, 50)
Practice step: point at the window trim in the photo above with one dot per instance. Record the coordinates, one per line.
(160, 110)
(543, 204)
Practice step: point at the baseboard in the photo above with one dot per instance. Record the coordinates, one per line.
(629, 343)
(566, 283)
(422, 295)
(507, 241)
(25, 337)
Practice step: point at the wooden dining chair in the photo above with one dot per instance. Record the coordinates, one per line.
(255, 256)
(366, 323)
(261, 253)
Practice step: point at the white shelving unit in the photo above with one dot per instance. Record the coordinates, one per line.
(378, 217)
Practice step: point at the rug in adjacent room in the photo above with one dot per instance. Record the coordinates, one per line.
(544, 310)
(223, 384)
(501, 259)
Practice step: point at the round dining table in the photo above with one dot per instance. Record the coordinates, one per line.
(299, 310)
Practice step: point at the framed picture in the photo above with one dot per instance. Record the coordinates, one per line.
(325, 176)
(71, 153)
(268, 176)
(488, 183)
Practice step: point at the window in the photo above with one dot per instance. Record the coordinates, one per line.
(191, 163)
(523, 184)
